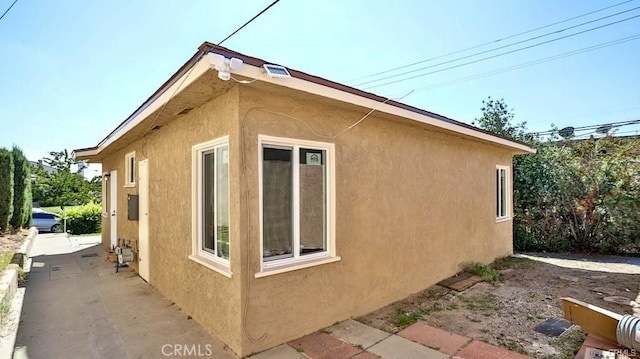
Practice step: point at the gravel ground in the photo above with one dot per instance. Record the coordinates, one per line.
(527, 293)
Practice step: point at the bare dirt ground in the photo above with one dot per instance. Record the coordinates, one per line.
(528, 292)
(11, 242)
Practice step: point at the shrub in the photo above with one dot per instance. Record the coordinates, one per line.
(6, 188)
(84, 219)
(21, 185)
(486, 271)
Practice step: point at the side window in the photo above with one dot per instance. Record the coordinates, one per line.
(211, 239)
(503, 193)
(130, 169)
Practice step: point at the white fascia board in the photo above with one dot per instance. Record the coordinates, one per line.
(85, 153)
(325, 91)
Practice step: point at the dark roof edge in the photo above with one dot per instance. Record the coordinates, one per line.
(209, 47)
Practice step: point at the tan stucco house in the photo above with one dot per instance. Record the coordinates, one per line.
(268, 203)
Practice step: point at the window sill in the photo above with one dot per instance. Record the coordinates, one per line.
(129, 185)
(503, 219)
(300, 264)
(213, 265)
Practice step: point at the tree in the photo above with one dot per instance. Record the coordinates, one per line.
(573, 195)
(498, 118)
(62, 186)
(6, 188)
(21, 188)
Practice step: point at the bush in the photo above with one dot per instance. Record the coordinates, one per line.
(6, 188)
(21, 185)
(84, 219)
(580, 196)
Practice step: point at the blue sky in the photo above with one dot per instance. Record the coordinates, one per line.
(70, 71)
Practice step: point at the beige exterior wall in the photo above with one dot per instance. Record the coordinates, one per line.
(209, 297)
(412, 204)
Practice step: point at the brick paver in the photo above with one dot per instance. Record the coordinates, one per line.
(323, 346)
(435, 338)
(480, 350)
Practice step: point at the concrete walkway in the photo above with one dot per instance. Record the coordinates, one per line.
(76, 306)
(352, 339)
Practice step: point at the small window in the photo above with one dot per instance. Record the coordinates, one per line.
(211, 239)
(503, 193)
(296, 194)
(130, 169)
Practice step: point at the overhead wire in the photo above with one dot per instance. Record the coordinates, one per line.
(9, 8)
(492, 42)
(497, 55)
(531, 63)
(589, 127)
(248, 22)
(151, 126)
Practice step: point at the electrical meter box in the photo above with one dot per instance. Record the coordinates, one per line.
(132, 207)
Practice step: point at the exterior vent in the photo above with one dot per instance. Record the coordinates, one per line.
(276, 71)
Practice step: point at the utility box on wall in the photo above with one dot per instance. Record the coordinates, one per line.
(132, 207)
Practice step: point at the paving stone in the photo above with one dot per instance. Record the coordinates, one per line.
(283, 351)
(480, 350)
(366, 355)
(323, 346)
(395, 347)
(435, 338)
(618, 299)
(356, 333)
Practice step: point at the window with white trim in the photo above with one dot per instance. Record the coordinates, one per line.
(297, 197)
(503, 193)
(211, 240)
(130, 169)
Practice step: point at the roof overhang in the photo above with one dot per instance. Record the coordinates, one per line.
(204, 61)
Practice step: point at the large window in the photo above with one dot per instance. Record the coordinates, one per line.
(503, 193)
(211, 204)
(296, 202)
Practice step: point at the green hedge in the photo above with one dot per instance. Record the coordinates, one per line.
(84, 219)
(6, 188)
(21, 185)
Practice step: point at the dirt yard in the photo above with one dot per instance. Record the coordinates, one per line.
(11, 242)
(527, 292)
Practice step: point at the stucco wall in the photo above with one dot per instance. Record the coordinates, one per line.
(412, 204)
(209, 297)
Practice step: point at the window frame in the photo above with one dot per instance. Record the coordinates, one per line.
(130, 169)
(507, 192)
(276, 266)
(199, 254)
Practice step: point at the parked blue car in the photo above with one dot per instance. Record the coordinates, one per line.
(45, 221)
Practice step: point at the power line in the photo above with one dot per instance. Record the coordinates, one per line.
(248, 22)
(494, 41)
(191, 69)
(590, 127)
(501, 47)
(531, 63)
(6, 11)
(501, 54)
